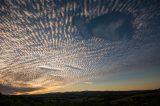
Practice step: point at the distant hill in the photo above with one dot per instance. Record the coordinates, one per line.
(85, 98)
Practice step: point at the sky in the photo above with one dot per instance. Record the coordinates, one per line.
(77, 45)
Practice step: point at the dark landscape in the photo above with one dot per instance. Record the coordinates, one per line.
(85, 98)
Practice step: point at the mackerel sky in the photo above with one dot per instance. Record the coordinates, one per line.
(73, 45)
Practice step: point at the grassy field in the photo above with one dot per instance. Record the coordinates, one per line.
(85, 98)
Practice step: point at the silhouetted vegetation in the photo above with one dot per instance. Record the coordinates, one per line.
(85, 98)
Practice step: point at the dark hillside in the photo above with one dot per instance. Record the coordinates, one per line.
(85, 98)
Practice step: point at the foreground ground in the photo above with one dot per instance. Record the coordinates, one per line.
(86, 98)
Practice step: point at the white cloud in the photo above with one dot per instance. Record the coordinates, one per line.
(88, 83)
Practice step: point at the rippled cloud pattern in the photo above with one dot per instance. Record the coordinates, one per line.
(47, 44)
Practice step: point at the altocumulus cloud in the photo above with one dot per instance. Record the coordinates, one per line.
(14, 90)
(50, 44)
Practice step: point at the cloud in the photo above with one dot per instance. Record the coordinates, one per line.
(5, 89)
(88, 83)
